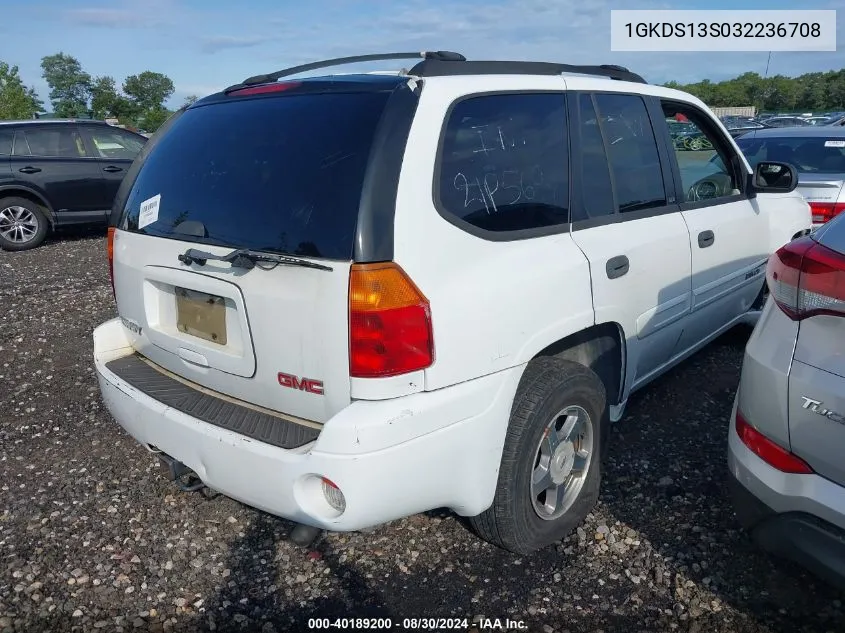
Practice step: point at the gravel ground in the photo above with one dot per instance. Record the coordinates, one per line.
(92, 538)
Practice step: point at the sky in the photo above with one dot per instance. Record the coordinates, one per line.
(206, 45)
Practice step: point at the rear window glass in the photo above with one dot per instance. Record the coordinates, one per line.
(504, 162)
(819, 155)
(281, 174)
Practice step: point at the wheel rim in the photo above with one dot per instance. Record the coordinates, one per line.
(562, 462)
(18, 224)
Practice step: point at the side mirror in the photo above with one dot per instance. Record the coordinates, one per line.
(774, 178)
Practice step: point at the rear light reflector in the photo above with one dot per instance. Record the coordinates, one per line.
(110, 255)
(267, 88)
(774, 455)
(807, 279)
(825, 211)
(334, 497)
(389, 323)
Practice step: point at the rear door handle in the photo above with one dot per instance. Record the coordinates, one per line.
(112, 169)
(705, 239)
(29, 170)
(617, 266)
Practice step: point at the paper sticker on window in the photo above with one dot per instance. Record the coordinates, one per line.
(834, 143)
(149, 211)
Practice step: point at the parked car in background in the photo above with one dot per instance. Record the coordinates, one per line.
(835, 121)
(785, 121)
(55, 173)
(787, 431)
(817, 152)
(285, 336)
(816, 120)
(738, 126)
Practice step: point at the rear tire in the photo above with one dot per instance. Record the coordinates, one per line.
(23, 224)
(526, 515)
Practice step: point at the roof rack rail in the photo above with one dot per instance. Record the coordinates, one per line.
(433, 67)
(442, 64)
(444, 56)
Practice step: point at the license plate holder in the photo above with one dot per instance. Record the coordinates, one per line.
(201, 315)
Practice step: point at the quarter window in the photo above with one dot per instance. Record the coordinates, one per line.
(504, 163)
(632, 152)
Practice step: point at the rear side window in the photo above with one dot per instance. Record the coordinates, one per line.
(595, 174)
(818, 154)
(632, 151)
(504, 162)
(280, 174)
(55, 142)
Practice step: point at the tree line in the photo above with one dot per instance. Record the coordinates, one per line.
(811, 92)
(138, 102)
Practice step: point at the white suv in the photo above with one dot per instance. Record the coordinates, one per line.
(348, 299)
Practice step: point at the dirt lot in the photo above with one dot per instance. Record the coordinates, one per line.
(92, 538)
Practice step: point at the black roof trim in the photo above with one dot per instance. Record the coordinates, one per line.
(448, 63)
(339, 61)
(431, 67)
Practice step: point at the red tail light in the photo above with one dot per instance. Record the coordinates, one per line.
(110, 253)
(825, 211)
(389, 323)
(806, 279)
(774, 455)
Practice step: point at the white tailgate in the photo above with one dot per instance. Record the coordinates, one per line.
(289, 320)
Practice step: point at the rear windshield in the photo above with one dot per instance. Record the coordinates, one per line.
(279, 174)
(818, 155)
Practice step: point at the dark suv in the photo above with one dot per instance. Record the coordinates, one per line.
(56, 173)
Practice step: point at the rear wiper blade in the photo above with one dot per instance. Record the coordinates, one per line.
(245, 258)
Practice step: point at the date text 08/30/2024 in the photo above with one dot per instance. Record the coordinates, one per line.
(417, 624)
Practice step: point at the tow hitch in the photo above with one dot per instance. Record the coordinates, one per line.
(188, 481)
(181, 475)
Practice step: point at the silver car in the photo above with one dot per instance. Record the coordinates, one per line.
(816, 152)
(786, 447)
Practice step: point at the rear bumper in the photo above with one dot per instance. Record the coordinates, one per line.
(385, 457)
(805, 539)
(798, 517)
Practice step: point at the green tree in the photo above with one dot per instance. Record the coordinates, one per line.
(155, 118)
(190, 99)
(17, 101)
(126, 111)
(104, 97)
(836, 90)
(69, 84)
(811, 92)
(148, 90)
